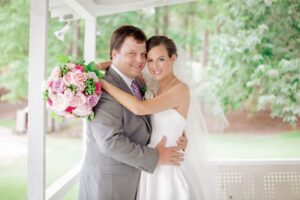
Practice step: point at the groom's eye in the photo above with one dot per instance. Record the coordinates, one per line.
(149, 60)
(131, 53)
(161, 59)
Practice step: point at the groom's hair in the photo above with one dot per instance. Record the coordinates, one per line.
(120, 34)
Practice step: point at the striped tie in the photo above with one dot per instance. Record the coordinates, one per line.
(136, 90)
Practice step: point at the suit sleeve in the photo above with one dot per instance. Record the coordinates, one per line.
(107, 130)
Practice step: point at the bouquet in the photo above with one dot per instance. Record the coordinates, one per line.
(73, 89)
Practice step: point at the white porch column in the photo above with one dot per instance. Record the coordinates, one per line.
(90, 40)
(37, 115)
(89, 55)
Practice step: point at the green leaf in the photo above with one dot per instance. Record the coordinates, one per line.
(45, 95)
(91, 67)
(80, 62)
(63, 59)
(73, 88)
(91, 116)
(144, 89)
(64, 69)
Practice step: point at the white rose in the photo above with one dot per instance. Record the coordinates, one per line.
(149, 94)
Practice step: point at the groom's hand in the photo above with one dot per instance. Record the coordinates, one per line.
(169, 155)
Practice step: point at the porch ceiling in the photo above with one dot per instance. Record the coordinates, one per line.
(88, 9)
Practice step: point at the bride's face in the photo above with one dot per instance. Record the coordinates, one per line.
(159, 63)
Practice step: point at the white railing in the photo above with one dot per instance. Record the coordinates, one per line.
(60, 188)
(259, 180)
(238, 179)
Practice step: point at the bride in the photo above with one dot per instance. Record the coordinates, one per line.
(173, 111)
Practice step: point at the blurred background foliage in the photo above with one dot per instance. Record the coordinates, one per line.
(250, 49)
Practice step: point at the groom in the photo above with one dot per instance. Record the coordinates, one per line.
(116, 138)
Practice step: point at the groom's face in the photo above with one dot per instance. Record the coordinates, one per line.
(130, 59)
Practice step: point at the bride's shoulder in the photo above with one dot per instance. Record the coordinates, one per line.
(182, 87)
(184, 97)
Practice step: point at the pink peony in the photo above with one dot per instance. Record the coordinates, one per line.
(50, 102)
(79, 68)
(79, 77)
(59, 103)
(82, 110)
(58, 86)
(50, 83)
(80, 87)
(98, 88)
(69, 109)
(78, 100)
(92, 100)
(51, 94)
(70, 65)
(68, 78)
(68, 94)
(56, 73)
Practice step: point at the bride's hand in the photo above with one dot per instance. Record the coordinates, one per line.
(103, 65)
(169, 155)
(182, 141)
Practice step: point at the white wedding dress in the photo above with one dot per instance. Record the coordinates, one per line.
(169, 182)
(195, 178)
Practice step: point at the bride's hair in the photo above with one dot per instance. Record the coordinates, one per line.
(158, 40)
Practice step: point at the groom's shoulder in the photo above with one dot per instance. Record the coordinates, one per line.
(111, 77)
(106, 99)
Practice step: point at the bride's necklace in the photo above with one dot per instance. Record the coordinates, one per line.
(169, 85)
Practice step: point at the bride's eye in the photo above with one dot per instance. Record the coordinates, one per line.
(149, 61)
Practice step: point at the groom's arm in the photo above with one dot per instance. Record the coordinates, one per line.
(108, 132)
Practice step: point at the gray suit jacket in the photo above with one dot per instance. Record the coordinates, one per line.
(116, 149)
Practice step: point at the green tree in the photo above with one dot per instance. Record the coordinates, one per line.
(14, 47)
(256, 57)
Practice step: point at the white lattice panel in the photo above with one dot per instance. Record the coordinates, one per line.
(259, 180)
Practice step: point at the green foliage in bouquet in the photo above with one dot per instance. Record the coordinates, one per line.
(90, 86)
(45, 95)
(73, 88)
(143, 90)
(92, 67)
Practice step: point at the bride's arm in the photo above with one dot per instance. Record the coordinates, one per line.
(103, 65)
(167, 100)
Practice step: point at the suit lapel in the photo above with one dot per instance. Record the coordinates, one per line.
(123, 86)
(117, 78)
